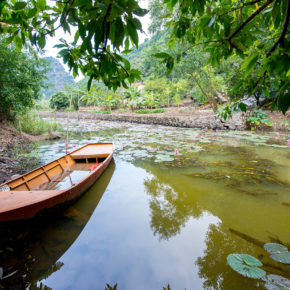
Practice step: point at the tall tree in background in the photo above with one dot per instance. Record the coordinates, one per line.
(21, 79)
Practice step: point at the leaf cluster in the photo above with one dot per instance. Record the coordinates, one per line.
(101, 30)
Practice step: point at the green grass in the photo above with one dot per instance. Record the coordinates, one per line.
(142, 111)
(123, 110)
(32, 124)
(102, 112)
(160, 110)
(147, 111)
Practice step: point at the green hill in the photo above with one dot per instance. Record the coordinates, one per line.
(57, 77)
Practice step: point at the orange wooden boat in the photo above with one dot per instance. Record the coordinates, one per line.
(54, 184)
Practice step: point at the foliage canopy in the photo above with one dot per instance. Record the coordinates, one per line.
(101, 29)
(21, 79)
(256, 31)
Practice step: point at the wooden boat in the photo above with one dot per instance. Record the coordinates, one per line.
(54, 184)
(46, 242)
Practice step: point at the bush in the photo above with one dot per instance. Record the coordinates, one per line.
(160, 110)
(259, 118)
(142, 111)
(59, 101)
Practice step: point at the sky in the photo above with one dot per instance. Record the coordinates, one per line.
(51, 41)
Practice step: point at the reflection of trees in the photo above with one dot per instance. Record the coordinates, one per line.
(169, 209)
(213, 268)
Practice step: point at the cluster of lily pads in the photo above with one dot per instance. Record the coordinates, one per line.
(168, 145)
(249, 266)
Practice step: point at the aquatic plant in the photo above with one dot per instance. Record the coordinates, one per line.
(278, 252)
(247, 266)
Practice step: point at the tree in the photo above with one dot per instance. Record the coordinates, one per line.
(101, 30)
(256, 31)
(59, 101)
(21, 79)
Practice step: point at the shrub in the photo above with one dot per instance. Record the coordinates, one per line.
(160, 110)
(142, 111)
(59, 101)
(258, 118)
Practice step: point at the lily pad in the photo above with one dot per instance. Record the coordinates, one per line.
(246, 265)
(274, 282)
(165, 158)
(283, 258)
(273, 248)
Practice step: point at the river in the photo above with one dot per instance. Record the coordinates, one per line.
(170, 208)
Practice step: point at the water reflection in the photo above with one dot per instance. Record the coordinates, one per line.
(247, 223)
(33, 255)
(166, 217)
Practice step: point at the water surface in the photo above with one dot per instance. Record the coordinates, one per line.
(169, 209)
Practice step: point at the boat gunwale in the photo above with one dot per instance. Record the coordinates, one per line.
(55, 160)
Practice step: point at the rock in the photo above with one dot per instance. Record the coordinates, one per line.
(250, 102)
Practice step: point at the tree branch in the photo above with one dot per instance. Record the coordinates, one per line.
(62, 22)
(285, 26)
(251, 17)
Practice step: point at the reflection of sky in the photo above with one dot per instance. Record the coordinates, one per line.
(118, 246)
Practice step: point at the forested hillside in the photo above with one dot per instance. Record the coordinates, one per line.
(57, 77)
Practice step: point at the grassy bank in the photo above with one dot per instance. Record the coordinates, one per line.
(32, 124)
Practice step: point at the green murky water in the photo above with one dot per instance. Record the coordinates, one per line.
(169, 210)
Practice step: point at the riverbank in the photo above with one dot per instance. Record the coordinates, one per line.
(179, 117)
(15, 151)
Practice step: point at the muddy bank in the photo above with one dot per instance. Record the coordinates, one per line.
(14, 151)
(200, 119)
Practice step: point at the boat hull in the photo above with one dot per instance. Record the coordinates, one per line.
(49, 199)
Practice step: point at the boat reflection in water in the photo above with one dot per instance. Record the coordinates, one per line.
(32, 253)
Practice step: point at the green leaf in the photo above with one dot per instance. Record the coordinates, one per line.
(32, 12)
(246, 265)
(140, 11)
(132, 32)
(273, 248)
(161, 55)
(283, 101)
(41, 40)
(41, 4)
(275, 282)
(19, 5)
(249, 63)
(243, 107)
(90, 82)
(281, 257)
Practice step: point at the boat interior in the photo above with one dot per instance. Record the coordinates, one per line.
(64, 172)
